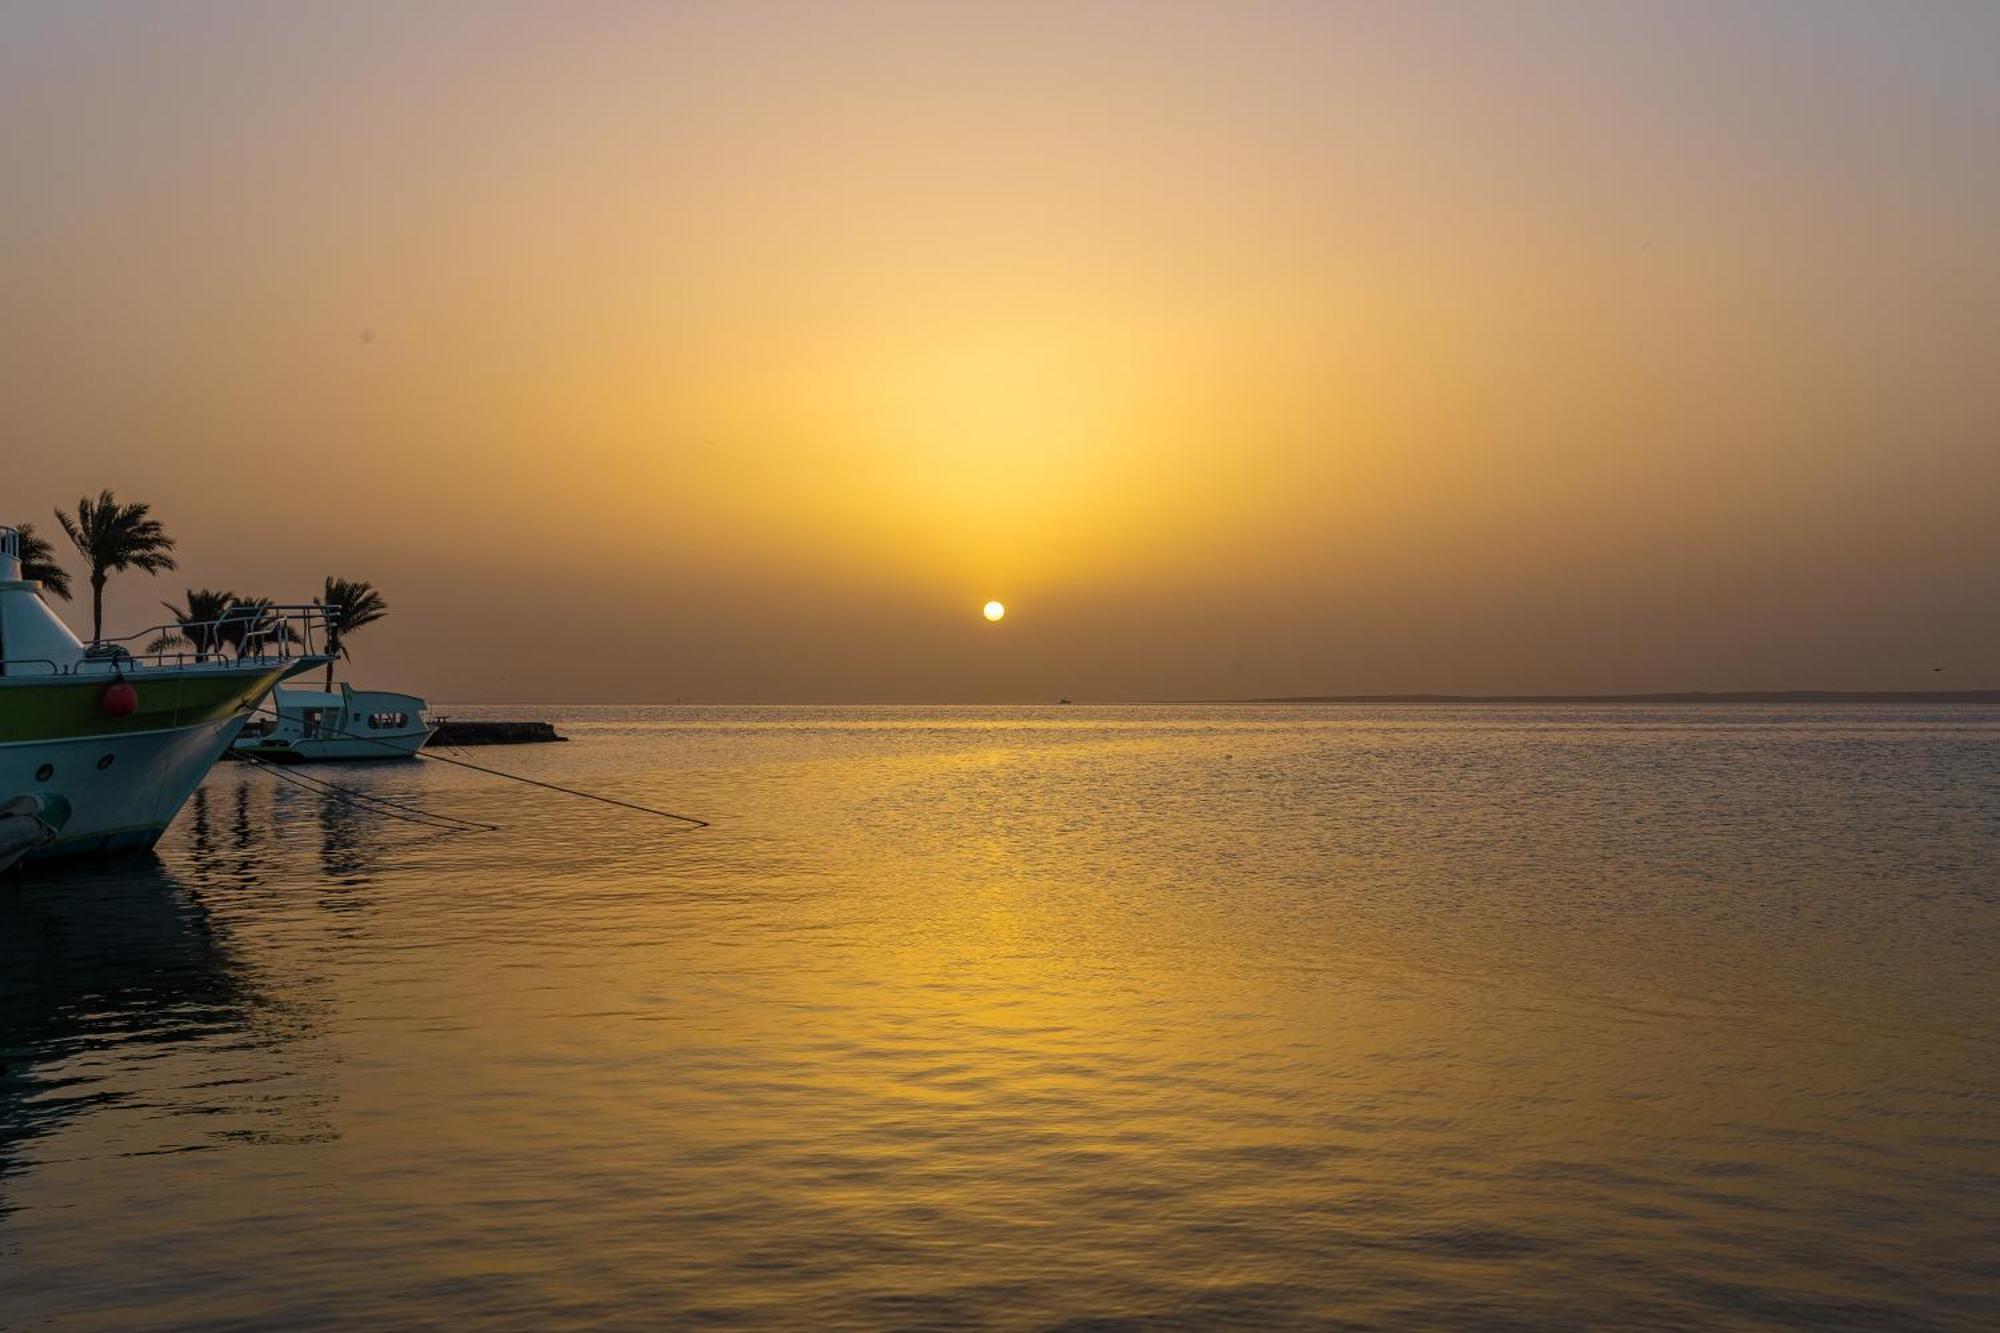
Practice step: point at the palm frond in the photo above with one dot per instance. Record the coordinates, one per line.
(38, 562)
(249, 624)
(351, 604)
(115, 536)
(200, 618)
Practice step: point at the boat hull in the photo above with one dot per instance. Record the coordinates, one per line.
(125, 775)
(337, 750)
(127, 804)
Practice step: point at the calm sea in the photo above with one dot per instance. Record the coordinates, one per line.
(1132, 1017)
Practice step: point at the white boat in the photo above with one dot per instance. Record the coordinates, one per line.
(100, 746)
(344, 724)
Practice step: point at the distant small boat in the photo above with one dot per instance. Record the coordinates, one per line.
(343, 725)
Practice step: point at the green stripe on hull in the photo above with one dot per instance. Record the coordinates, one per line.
(39, 709)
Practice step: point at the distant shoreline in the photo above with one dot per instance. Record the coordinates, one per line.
(1677, 697)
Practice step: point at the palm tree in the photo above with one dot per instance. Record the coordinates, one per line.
(199, 621)
(113, 537)
(249, 624)
(38, 561)
(352, 603)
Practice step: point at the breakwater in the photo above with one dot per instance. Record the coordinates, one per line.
(452, 731)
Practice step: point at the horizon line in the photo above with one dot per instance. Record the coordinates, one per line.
(1969, 696)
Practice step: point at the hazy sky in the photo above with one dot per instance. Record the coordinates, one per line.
(742, 351)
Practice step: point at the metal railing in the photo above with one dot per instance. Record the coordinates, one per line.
(244, 635)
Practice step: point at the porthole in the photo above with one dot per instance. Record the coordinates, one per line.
(106, 762)
(45, 772)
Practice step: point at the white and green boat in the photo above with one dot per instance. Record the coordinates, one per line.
(100, 745)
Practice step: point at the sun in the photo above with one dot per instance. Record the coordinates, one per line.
(995, 610)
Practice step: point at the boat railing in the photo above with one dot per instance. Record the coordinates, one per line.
(254, 634)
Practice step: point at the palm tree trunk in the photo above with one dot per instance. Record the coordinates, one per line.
(332, 653)
(96, 607)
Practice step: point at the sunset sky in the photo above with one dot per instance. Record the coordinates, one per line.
(744, 351)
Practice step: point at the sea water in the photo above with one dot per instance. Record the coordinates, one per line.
(1113, 1017)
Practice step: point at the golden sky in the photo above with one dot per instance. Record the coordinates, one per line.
(743, 351)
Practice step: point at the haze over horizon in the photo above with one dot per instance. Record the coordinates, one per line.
(743, 352)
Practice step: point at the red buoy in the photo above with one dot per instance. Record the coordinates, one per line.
(119, 699)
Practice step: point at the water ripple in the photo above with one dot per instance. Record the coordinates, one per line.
(1060, 1018)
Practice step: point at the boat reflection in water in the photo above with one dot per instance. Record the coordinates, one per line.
(133, 1023)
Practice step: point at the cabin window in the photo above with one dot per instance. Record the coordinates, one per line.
(388, 721)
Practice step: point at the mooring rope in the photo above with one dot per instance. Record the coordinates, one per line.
(392, 809)
(567, 791)
(511, 777)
